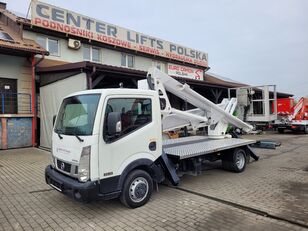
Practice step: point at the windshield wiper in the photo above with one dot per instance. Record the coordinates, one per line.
(78, 137)
(58, 132)
(75, 130)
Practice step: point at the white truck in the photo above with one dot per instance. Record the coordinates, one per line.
(109, 143)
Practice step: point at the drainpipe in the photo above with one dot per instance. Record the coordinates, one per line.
(34, 63)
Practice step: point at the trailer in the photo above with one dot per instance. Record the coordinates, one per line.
(109, 143)
(257, 105)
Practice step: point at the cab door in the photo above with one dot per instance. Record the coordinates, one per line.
(138, 136)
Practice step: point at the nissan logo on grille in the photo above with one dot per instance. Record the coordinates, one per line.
(66, 167)
(62, 166)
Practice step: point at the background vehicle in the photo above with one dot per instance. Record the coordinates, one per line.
(257, 105)
(295, 119)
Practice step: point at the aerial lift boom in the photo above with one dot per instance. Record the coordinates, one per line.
(207, 114)
(300, 110)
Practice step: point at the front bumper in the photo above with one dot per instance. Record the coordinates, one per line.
(80, 191)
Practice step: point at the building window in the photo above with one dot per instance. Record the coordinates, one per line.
(86, 53)
(42, 41)
(159, 65)
(53, 46)
(5, 36)
(91, 54)
(50, 44)
(127, 60)
(9, 96)
(95, 55)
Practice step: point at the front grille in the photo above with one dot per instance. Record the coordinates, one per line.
(66, 167)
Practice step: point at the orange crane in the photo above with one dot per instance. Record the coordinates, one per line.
(300, 110)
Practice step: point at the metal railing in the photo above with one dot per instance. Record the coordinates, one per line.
(15, 103)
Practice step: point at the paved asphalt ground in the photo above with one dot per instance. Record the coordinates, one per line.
(272, 194)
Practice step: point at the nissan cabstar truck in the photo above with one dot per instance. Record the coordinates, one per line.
(110, 143)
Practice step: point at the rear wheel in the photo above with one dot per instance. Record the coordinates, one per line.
(137, 189)
(306, 130)
(281, 130)
(235, 161)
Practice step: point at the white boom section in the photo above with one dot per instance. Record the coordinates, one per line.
(216, 117)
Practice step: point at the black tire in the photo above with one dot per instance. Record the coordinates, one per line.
(235, 160)
(281, 130)
(306, 129)
(247, 158)
(137, 189)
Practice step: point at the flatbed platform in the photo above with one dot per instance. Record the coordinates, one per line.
(193, 146)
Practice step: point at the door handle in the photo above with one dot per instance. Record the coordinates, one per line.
(152, 146)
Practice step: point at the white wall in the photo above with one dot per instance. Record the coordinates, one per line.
(65, 54)
(109, 56)
(50, 100)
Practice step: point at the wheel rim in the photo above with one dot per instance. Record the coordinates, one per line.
(240, 160)
(138, 189)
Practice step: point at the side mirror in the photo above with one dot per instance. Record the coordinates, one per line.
(114, 124)
(54, 120)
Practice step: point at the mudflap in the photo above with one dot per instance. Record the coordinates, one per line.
(169, 169)
(249, 149)
(252, 153)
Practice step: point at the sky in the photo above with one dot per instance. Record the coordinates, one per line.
(256, 42)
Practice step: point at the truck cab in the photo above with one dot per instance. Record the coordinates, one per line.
(99, 137)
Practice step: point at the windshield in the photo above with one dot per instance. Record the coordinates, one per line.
(77, 114)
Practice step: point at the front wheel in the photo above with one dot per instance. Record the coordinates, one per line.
(235, 161)
(137, 189)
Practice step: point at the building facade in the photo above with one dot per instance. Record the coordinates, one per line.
(95, 54)
(58, 52)
(17, 83)
(76, 52)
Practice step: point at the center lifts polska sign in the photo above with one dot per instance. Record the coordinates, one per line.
(58, 19)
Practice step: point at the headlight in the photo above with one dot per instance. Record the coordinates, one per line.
(84, 164)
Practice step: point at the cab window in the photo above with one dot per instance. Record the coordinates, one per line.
(135, 113)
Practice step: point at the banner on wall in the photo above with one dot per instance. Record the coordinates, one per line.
(185, 72)
(54, 18)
